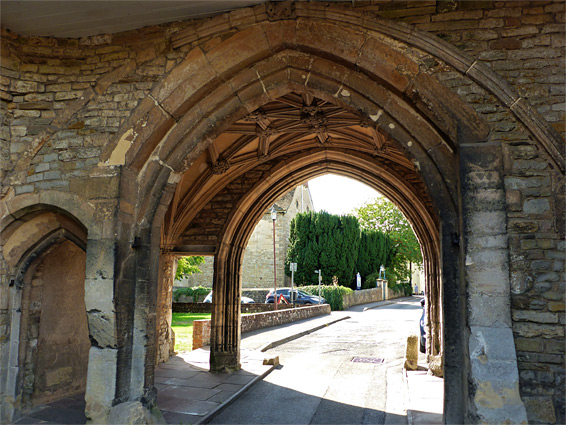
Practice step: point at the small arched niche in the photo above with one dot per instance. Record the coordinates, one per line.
(45, 253)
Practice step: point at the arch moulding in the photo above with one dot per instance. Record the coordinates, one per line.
(359, 64)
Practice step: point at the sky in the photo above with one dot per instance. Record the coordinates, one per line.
(339, 195)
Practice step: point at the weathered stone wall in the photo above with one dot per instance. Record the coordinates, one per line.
(54, 334)
(522, 41)
(252, 322)
(366, 296)
(64, 103)
(187, 307)
(257, 268)
(535, 213)
(204, 278)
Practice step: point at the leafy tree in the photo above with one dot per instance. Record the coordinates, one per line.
(187, 266)
(382, 215)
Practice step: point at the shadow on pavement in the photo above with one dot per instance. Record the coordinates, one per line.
(287, 406)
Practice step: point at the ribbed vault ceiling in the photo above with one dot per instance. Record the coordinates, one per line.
(277, 132)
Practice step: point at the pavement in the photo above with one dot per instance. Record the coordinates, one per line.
(189, 394)
(425, 402)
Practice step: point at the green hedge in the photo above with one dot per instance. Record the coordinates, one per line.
(195, 292)
(334, 295)
(404, 287)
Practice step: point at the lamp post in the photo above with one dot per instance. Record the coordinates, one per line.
(319, 272)
(273, 218)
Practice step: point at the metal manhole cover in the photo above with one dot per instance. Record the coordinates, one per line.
(375, 360)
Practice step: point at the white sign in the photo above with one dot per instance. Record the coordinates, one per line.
(293, 267)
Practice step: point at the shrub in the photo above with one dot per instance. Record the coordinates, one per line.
(334, 295)
(369, 281)
(195, 292)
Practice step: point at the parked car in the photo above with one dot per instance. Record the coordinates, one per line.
(299, 297)
(422, 333)
(244, 300)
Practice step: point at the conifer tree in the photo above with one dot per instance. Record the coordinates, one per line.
(332, 243)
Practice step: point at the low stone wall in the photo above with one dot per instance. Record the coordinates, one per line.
(252, 322)
(207, 307)
(366, 296)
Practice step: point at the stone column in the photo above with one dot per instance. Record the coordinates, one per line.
(165, 337)
(225, 321)
(493, 373)
(10, 322)
(101, 316)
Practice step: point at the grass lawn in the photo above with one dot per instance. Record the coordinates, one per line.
(182, 325)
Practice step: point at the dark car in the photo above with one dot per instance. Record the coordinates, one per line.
(422, 339)
(299, 297)
(244, 300)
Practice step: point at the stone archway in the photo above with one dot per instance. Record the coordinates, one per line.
(461, 115)
(383, 72)
(47, 357)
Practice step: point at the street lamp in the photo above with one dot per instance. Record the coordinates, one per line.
(319, 272)
(273, 218)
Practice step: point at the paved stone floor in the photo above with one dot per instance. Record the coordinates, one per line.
(66, 411)
(187, 392)
(425, 397)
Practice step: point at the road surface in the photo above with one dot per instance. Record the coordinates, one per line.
(347, 373)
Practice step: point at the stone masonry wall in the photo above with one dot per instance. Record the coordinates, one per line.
(366, 296)
(63, 102)
(257, 267)
(188, 307)
(252, 322)
(535, 199)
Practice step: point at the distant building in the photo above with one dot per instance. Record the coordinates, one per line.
(257, 268)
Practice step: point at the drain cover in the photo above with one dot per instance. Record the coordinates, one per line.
(367, 360)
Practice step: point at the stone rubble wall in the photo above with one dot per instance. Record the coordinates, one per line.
(252, 322)
(190, 307)
(257, 267)
(366, 296)
(64, 102)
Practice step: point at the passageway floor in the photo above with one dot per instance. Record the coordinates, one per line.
(189, 394)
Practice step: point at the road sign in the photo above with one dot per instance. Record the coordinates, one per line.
(293, 267)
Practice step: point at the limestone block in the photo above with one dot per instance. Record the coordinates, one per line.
(100, 383)
(536, 206)
(495, 376)
(528, 330)
(490, 343)
(488, 309)
(412, 353)
(271, 361)
(535, 316)
(541, 410)
(100, 259)
(488, 223)
(436, 366)
(99, 295)
(130, 413)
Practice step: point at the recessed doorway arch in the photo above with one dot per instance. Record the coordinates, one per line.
(45, 250)
(400, 181)
(182, 138)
